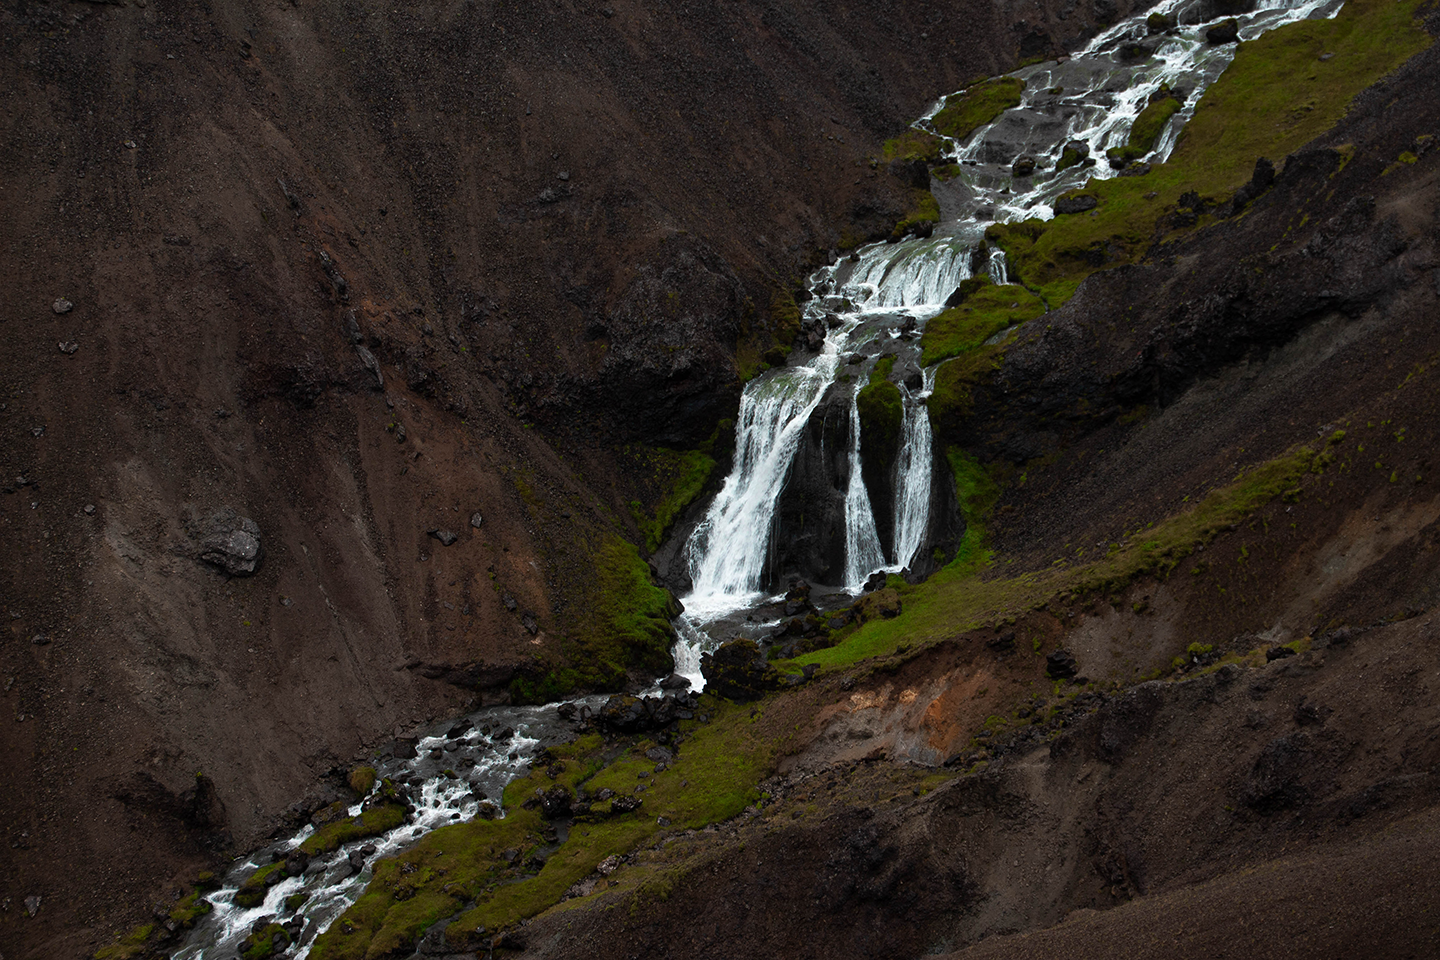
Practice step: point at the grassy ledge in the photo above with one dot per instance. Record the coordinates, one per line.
(960, 597)
(986, 310)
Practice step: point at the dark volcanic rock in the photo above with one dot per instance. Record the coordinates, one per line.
(1080, 204)
(1226, 31)
(229, 541)
(738, 671)
(1061, 665)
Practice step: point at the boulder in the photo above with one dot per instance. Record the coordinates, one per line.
(1061, 665)
(228, 541)
(738, 671)
(1226, 31)
(1076, 204)
(1075, 153)
(1023, 166)
(446, 537)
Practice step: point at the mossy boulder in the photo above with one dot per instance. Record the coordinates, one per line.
(1074, 154)
(738, 671)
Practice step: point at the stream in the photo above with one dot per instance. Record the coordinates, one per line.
(872, 304)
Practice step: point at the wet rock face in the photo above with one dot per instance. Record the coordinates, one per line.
(228, 541)
(809, 537)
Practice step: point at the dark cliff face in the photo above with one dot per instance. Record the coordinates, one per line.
(357, 274)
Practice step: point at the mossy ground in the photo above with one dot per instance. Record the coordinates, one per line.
(987, 310)
(882, 414)
(912, 145)
(976, 106)
(712, 778)
(1276, 96)
(677, 476)
(625, 626)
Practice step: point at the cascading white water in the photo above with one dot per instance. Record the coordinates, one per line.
(910, 274)
(728, 548)
(1094, 97)
(913, 470)
(862, 543)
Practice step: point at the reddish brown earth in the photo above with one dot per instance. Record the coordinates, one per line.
(181, 173)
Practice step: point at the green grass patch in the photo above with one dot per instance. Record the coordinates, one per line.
(712, 778)
(131, 944)
(379, 819)
(952, 397)
(912, 145)
(1276, 96)
(945, 172)
(970, 109)
(986, 311)
(784, 318)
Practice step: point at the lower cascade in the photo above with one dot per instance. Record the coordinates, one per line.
(836, 475)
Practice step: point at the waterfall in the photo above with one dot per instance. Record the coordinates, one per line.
(727, 551)
(913, 469)
(862, 543)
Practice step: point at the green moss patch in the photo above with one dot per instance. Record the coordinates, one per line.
(371, 823)
(1276, 96)
(984, 312)
(945, 172)
(967, 111)
(679, 476)
(882, 415)
(912, 145)
(924, 212)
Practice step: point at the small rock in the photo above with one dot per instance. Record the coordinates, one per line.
(446, 537)
(40, 640)
(89, 509)
(1023, 167)
(32, 905)
(399, 433)
(68, 347)
(476, 519)
(37, 431)
(563, 175)
(62, 306)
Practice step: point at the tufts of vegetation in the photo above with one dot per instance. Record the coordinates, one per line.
(882, 416)
(967, 111)
(985, 310)
(785, 318)
(959, 598)
(680, 476)
(362, 780)
(625, 626)
(945, 172)
(912, 145)
(923, 215)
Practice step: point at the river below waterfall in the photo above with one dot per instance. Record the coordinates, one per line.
(800, 424)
